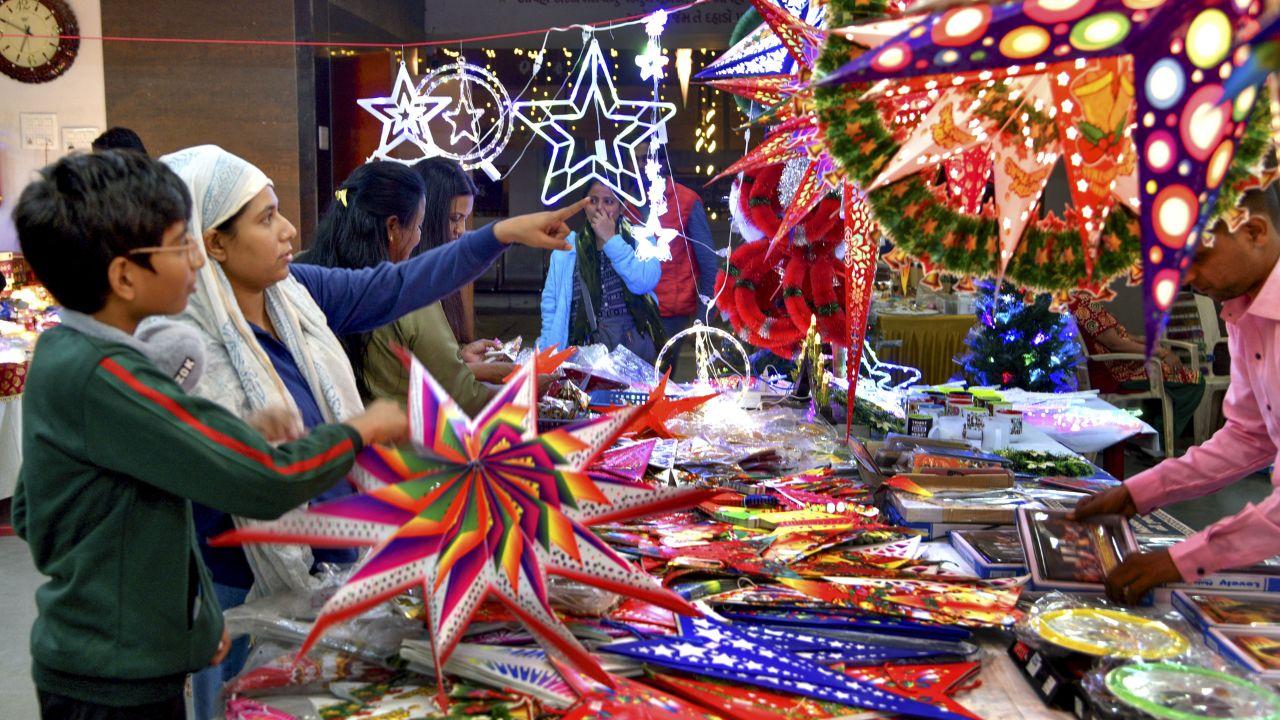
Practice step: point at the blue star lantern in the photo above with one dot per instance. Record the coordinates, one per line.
(613, 163)
(720, 650)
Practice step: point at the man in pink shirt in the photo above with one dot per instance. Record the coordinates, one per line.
(1239, 270)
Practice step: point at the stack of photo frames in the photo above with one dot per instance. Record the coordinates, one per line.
(1072, 556)
(991, 553)
(1243, 627)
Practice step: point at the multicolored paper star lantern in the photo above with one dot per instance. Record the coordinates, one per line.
(707, 647)
(762, 53)
(481, 508)
(594, 99)
(1127, 92)
(773, 67)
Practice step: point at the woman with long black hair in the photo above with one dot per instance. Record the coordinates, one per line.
(387, 218)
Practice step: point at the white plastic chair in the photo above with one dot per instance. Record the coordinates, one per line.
(1155, 377)
(1208, 415)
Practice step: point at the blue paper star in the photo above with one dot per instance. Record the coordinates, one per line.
(594, 96)
(728, 652)
(404, 117)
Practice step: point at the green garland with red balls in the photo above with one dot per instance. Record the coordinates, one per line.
(918, 218)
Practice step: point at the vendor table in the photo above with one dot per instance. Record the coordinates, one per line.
(10, 443)
(929, 342)
(1004, 692)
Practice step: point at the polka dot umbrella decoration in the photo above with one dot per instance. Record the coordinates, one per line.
(1114, 75)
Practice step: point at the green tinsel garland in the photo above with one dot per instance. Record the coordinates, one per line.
(1046, 464)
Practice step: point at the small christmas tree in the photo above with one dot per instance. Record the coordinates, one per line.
(1020, 344)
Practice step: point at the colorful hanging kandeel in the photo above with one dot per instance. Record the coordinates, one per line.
(719, 650)
(481, 508)
(762, 52)
(1109, 86)
(593, 98)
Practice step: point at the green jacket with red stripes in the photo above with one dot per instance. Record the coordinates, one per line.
(113, 454)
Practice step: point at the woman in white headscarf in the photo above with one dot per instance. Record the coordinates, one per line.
(270, 331)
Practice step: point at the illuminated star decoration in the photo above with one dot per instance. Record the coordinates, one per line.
(404, 117)
(467, 130)
(653, 241)
(719, 650)
(1185, 136)
(480, 508)
(486, 130)
(614, 163)
(652, 63)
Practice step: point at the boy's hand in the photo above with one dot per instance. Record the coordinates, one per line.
(382, 422)
(545, 230)
(475, 352)
(1131, 579)
(1108, 502)
(224, 647)
(277, 424)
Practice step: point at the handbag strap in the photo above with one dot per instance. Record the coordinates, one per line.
(587, 305)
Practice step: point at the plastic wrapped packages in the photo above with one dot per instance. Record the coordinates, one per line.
(1118, 690)
(793, 434)
(620, 366)
(1058, 624)
(287, 618)
(274, 668)
(579, 599)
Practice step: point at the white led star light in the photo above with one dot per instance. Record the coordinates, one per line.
(404, 116)
(477, 134)
(480, 123)
(612, 163)
(653, 241)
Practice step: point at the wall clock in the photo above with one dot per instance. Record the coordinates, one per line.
(39, 39)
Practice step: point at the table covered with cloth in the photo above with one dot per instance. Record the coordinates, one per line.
(929, 342)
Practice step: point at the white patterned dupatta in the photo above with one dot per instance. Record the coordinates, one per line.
(238, 373)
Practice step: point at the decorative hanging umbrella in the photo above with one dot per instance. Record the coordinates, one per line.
(1126, 93)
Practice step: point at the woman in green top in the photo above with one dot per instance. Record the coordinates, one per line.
(386, 202)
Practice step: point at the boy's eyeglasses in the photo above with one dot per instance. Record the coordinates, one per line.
(194, 256)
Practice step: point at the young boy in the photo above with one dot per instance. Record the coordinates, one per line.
(114, 452)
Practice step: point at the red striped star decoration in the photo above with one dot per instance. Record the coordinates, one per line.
(482, 508)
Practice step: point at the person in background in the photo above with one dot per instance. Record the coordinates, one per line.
(270, 329)
(382, 218)
(1238, 268)
(690, 274)
(451, 196)
(114, 451)
(119, 138)
(1102, 334)
(598, 291)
